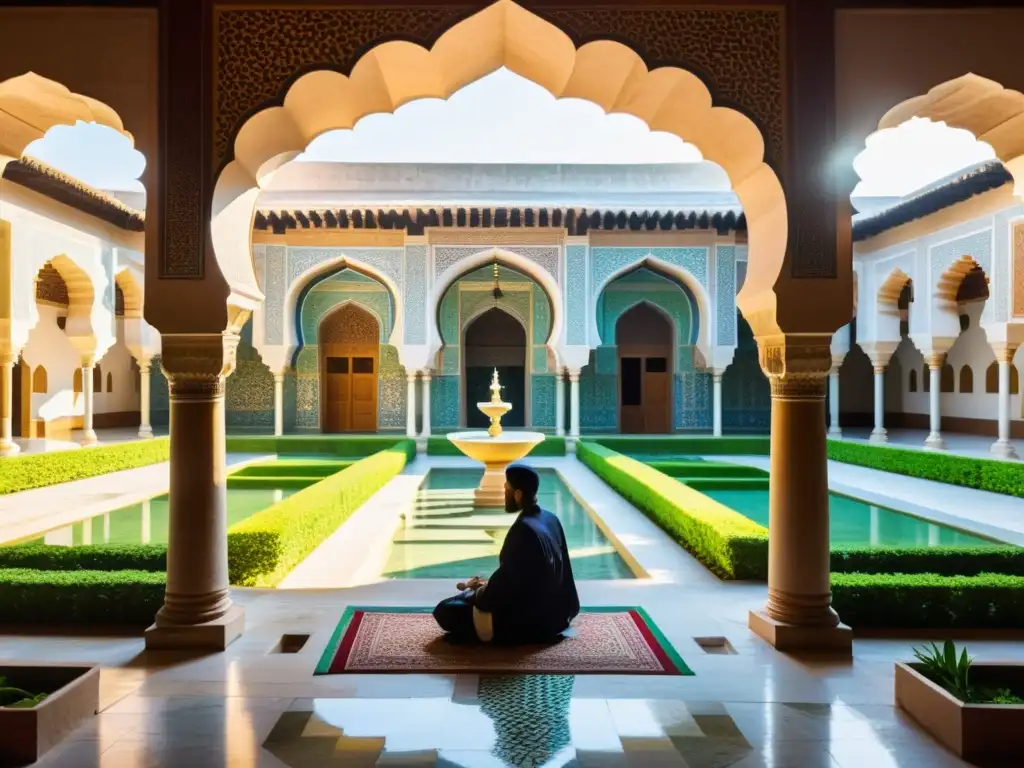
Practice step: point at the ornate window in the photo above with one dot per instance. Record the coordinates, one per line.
(966, 380)
(913, 380)
(947, 379)
(110, 382)
(97, 379)
(39, 381)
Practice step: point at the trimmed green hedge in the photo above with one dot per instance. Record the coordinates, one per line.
(728, 543)
(926, 600)
(440, 445)
(349, 446)
(264, 548)
(688, 445)
(93, 557)
(943, 561)
(37, 470)
(981, 474)
(80, 597)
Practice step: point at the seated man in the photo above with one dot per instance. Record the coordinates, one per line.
(531, 598)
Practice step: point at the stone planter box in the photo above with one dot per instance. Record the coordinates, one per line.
(972, 731)
(74, 696)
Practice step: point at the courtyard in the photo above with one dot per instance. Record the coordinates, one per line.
(284, 290)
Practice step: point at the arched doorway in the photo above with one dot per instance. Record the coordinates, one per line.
(349, 362)
(644, 337)
(495, 340)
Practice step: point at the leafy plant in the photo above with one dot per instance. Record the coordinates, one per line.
(998, 696)
(943, 667)
(17, 698)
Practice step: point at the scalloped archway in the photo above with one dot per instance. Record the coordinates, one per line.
(604, 72)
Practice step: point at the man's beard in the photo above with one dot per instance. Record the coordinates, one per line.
(510, 505)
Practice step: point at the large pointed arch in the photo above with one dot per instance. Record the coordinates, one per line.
(512, 260)
(604, 72)
(681, 277)
(325, 269)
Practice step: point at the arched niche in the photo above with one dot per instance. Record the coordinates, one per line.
(495, 338)
(645, 339)
(348, 341)
(604, 72)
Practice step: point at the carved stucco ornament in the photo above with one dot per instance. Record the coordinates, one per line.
(196, 365)
(796, 366)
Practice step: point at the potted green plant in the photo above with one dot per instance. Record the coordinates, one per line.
(40, 705)
(974, 708)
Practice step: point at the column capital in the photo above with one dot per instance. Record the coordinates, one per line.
(1004, 351)
(426, 374)
(196, 364)
(279, 376)
(410, 376)
(574, 374)
(879, 352)
(837, 363)
(935, 360)
(796, 365)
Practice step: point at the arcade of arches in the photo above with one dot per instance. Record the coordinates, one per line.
(337, 317)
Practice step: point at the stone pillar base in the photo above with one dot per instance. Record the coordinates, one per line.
(89, 438)
(934, 442)
(9, 448)
(793, 638)
(879, 436)
(421, 444)
(213, 635)
(145, 432)
(835, 433)
(1004, 449)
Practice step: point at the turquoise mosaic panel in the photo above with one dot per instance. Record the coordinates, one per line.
(444, 402)
(725, 281)
(345, 287)
(542, 396)
(541, 315)
(604, 262)
(159, 395)
(539, 361)
(415, 294)
(606, 359)
(249, 390)
(576, 293)
(307, 388)
(746, 393)
(599, 399)
(693, 401)
(392, 391)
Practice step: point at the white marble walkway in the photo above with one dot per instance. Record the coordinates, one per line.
(111, 436)
(988, 514)
(976, 446)
(37, 510)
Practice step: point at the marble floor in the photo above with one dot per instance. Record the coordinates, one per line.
(978, 446)
(257, 705)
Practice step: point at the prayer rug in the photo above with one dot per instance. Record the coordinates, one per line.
(602, 641)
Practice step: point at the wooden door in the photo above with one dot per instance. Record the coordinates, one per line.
(657, 396)
(337, 395)
(363, 394)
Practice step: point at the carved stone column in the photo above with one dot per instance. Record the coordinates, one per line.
(278, 402)
(716, 398)
(1004, 356)
(574, 404)
(410, 405)
(560, 403)
(197, 610)
(145, 429)
(799, 613)
(833, 399)
(425, 376)
(88, 433)
(934, 441)
(7, 445)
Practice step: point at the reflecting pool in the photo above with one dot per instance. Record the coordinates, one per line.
(445, 537)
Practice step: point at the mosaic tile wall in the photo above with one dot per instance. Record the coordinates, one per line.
(465, 299)
(599, 407)
(746, 394)
(248, 394)
(330, 292)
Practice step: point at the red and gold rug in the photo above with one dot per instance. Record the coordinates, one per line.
(603, 641)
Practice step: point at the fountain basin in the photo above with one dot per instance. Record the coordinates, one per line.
(495, 453)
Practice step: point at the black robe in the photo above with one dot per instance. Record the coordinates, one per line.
(532, 596)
